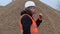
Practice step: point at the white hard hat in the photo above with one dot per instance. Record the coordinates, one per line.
(29, 3)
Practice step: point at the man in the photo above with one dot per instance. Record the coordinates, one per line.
(28, 25)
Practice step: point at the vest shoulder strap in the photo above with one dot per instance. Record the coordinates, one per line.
(25, 15)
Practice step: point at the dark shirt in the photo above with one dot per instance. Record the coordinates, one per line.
(26, 22)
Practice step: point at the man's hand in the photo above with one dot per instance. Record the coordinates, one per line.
(40, 16)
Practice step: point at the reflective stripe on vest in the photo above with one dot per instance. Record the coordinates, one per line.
(33, 28)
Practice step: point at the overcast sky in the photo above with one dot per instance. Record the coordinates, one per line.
(5, 2)
(53, 3)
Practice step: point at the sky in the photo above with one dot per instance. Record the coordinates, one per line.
(5, 2)
(52, 3)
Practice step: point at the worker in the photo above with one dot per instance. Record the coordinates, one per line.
(28, 25)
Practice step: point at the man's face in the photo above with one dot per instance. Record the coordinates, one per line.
(33, 9)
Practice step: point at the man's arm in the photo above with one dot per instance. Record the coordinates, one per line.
(26, 22)
(38, 22)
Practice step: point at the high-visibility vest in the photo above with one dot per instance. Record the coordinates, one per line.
(33, 28)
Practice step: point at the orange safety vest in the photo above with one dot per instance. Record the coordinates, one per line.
(33, 28)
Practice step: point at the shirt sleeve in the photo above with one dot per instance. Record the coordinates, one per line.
(38, 22)
(26, 22)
